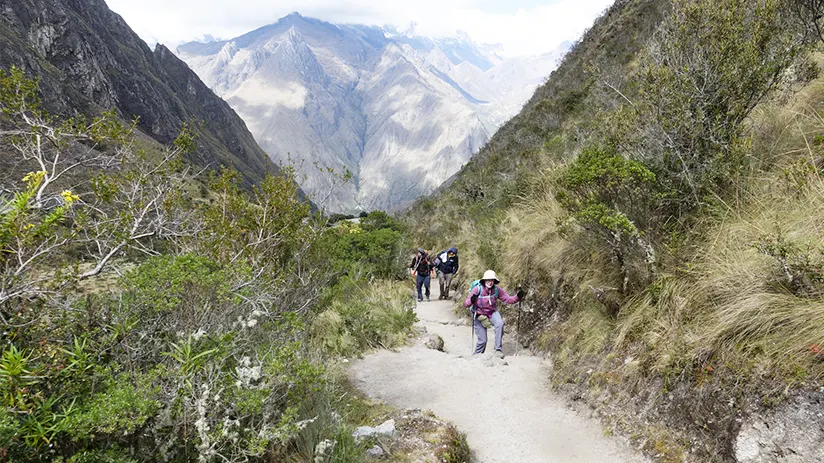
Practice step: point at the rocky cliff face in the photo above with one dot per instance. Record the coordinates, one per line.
(88, 59)
(402, 113)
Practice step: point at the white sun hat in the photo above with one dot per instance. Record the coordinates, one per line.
(490, 275)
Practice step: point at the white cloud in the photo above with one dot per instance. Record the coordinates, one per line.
(522, 26)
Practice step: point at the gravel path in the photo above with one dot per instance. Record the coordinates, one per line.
(504, 407)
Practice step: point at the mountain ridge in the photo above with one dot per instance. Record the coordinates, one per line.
(401, 113)
(88, 60)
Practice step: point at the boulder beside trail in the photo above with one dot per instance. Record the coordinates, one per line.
(421, 437)
(434, 342)
(387, 428)
(791, 433)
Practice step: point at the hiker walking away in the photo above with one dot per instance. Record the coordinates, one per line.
(483, 300)
(422, 269)
(447, 264)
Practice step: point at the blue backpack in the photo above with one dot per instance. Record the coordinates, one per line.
(477, 283)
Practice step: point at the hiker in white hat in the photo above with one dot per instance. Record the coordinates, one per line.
(483, 301)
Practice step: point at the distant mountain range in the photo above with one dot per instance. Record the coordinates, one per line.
(401, 112)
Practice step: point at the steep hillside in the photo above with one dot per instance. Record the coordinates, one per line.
(400, 112)
(659, 196)
(521, 143)
(89, 60)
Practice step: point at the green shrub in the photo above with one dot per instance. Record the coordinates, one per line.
(710, 64)
(120, 408)
(364, 316)
(802, 264)
(615, 199)
(373, 247)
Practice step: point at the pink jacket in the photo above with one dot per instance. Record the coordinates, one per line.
(487, 304)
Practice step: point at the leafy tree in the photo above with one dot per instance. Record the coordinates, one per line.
(612, 197)
(710, 63)
(120, 211)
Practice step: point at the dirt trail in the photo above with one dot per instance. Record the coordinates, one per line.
(507, 411)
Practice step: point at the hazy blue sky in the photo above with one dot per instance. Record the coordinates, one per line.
(521, 26)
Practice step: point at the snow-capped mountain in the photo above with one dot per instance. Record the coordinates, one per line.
(402, 113)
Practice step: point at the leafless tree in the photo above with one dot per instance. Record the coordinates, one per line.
(810, 13)
(90, 187)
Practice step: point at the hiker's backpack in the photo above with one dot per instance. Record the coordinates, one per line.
(477, 283)
(418, 262)
(442, 258)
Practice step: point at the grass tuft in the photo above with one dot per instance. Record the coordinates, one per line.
(367, 316)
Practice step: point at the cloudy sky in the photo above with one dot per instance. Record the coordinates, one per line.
(521, 26)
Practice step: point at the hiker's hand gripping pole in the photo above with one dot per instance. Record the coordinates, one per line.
(518, 324)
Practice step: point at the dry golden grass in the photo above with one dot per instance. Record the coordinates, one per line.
(743, 293)
(535, 249)
(379, 314)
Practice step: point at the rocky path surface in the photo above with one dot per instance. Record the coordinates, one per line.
(504, 406)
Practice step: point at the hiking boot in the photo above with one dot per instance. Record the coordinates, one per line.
(485, 321)
(420, 300)
(499, 354)
(427, 298)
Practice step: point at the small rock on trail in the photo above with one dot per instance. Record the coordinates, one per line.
(434, 342)
(503, 405)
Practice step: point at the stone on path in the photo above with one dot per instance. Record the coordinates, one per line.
(434, 342)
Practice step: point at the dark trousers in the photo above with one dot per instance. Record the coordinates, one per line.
(422, 280)
(445, 281)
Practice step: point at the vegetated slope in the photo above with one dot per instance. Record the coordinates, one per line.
(206, 345)
(400, 112)
(611, 42)
(89, 60)
(657, 196)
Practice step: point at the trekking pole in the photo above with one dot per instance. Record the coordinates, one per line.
(472, 334)
(518, 328)
(518, 324)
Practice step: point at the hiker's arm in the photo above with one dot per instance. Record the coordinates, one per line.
(506, 298)
(468, 301)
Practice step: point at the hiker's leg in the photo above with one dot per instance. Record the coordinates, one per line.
(498, 323)
(441, 284)
(426, 281)
(480, 333)
(418, 284)
(447, 282)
